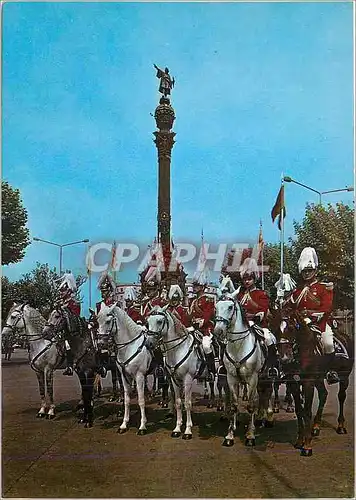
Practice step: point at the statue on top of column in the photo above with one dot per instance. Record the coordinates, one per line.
(166, 83)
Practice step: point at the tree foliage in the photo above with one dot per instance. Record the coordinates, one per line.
(39, 288)
(330, 230)
(15, 235)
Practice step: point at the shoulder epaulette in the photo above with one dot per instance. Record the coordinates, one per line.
(328, 285)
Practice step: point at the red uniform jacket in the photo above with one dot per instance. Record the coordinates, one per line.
(203, 308)
(181, 313)
(135, 314)
(108, 302)
(148, 306)
(73, 305)
(254, 301)
(315, 298)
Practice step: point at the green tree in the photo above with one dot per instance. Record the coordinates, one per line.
(39, 288)
(330, 230)
(15, 235)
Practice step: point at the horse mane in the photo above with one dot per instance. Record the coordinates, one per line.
(129, 323)
(35, 317)
(180, 329)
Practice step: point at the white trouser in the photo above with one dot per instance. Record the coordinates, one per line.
(207, 342)
(327, 339)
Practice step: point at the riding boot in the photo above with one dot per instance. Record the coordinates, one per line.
(272, 362)
(70, 361)
(101, 362)
(210, 362)
(331, 376)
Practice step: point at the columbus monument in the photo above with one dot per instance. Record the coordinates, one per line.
(164, 140)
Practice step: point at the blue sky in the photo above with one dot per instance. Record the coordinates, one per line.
(261, 88)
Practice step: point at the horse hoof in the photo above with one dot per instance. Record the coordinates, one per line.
(186, 437)
(141, 432)
(88, 425)
(164, 406)
(341, 430)
(269, 424)
(298, 446)
(122, 431)
(50, 416)
(275, 410)
(228, 442)
(250, 442)
(210, 405)
(40, 415)
(82, 421)
(315, 431)
(306, 452)
(176, 434)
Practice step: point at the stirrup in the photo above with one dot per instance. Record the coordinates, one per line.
(332, 377)
(68, 371)
(102, 371)
(273, 372)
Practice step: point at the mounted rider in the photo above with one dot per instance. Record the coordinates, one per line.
(314, 300)
(201, 313)
(153, 297)
(255, 303)
(67, 299)
(107, 287)
(175, 298)
(132, 306)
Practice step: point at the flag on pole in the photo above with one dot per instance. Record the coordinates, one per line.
(279, 208)
(261, 243)
(113, 256)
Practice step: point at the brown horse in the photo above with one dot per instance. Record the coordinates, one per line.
(304, 366)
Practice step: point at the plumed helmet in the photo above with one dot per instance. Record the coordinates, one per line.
(68, 282)
(249, 266)
(308, 259)
(153, 275)
(106, 282)
(174, 291)
(130, 293)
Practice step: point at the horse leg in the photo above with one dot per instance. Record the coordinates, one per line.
(265, 411)
(49, 383)
(140, 384)
(250, 438)
(41, 385)
(232, 409)
(322, 394)
(188, 385)
(178, 403)
(245, 393)
(276, 402)
(343, 385)
(97, 385)
(211, 402)
(289, 399)
(308, 387)
(127, 393)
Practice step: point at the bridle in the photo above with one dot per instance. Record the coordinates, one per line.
(16, 330)
(228, 321)
(159, 334)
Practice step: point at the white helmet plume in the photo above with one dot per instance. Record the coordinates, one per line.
(286, 282)
(68, 280)
(175, 290)
(249, 265)
(308, 258)
(106, 276)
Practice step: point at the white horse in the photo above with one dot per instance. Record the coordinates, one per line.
(133, 358)
(43, 354)
(244, 359)
(183, 361)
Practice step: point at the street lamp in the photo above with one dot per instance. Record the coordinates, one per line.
(61, 249)
(289, 179)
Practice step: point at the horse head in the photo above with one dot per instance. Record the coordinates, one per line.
(15, 321)
(158, 324)
(58, 321)
(106, 323)
(227, 312)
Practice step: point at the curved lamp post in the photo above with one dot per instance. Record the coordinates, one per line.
(60, 249)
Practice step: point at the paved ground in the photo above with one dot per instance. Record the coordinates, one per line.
(61, 459)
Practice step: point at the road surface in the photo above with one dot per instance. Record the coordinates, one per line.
(60, 458)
